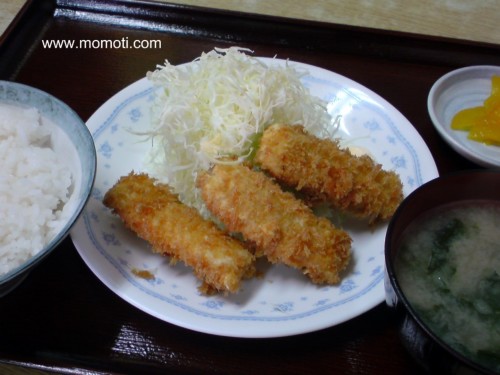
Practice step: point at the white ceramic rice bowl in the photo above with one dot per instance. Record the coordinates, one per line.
(80, 151)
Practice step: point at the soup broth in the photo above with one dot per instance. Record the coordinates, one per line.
(448, 266)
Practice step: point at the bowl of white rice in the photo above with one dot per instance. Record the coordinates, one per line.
(48, 169)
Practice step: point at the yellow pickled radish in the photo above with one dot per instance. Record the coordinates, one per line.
(464, 119)
(487, 129)
(495, 85)
(483, 122)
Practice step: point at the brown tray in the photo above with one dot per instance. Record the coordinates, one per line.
(62, 318)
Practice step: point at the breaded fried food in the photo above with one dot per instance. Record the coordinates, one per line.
(278, 225)
(176, 230)
(324, 172)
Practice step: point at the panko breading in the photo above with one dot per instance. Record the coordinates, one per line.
(324, 172)
(179, 231)
(280, 226)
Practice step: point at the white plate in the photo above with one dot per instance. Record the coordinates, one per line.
(282, 302)
(459, 89)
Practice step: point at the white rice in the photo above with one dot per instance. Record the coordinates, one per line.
(34, 186)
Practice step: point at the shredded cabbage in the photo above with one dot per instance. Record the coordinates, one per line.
(214, 109)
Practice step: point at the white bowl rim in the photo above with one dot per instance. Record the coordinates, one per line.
(470, 154)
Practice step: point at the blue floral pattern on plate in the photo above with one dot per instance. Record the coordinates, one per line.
(282, 302)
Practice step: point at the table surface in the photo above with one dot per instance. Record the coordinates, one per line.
(91, 330)
(464, 19)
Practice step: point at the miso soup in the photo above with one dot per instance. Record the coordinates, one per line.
(448, 266)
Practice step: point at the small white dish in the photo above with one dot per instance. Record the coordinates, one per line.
(459, 89)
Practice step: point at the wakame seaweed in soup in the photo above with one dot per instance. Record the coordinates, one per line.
(448, 266)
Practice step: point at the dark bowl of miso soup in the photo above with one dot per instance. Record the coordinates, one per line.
(442, 281)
